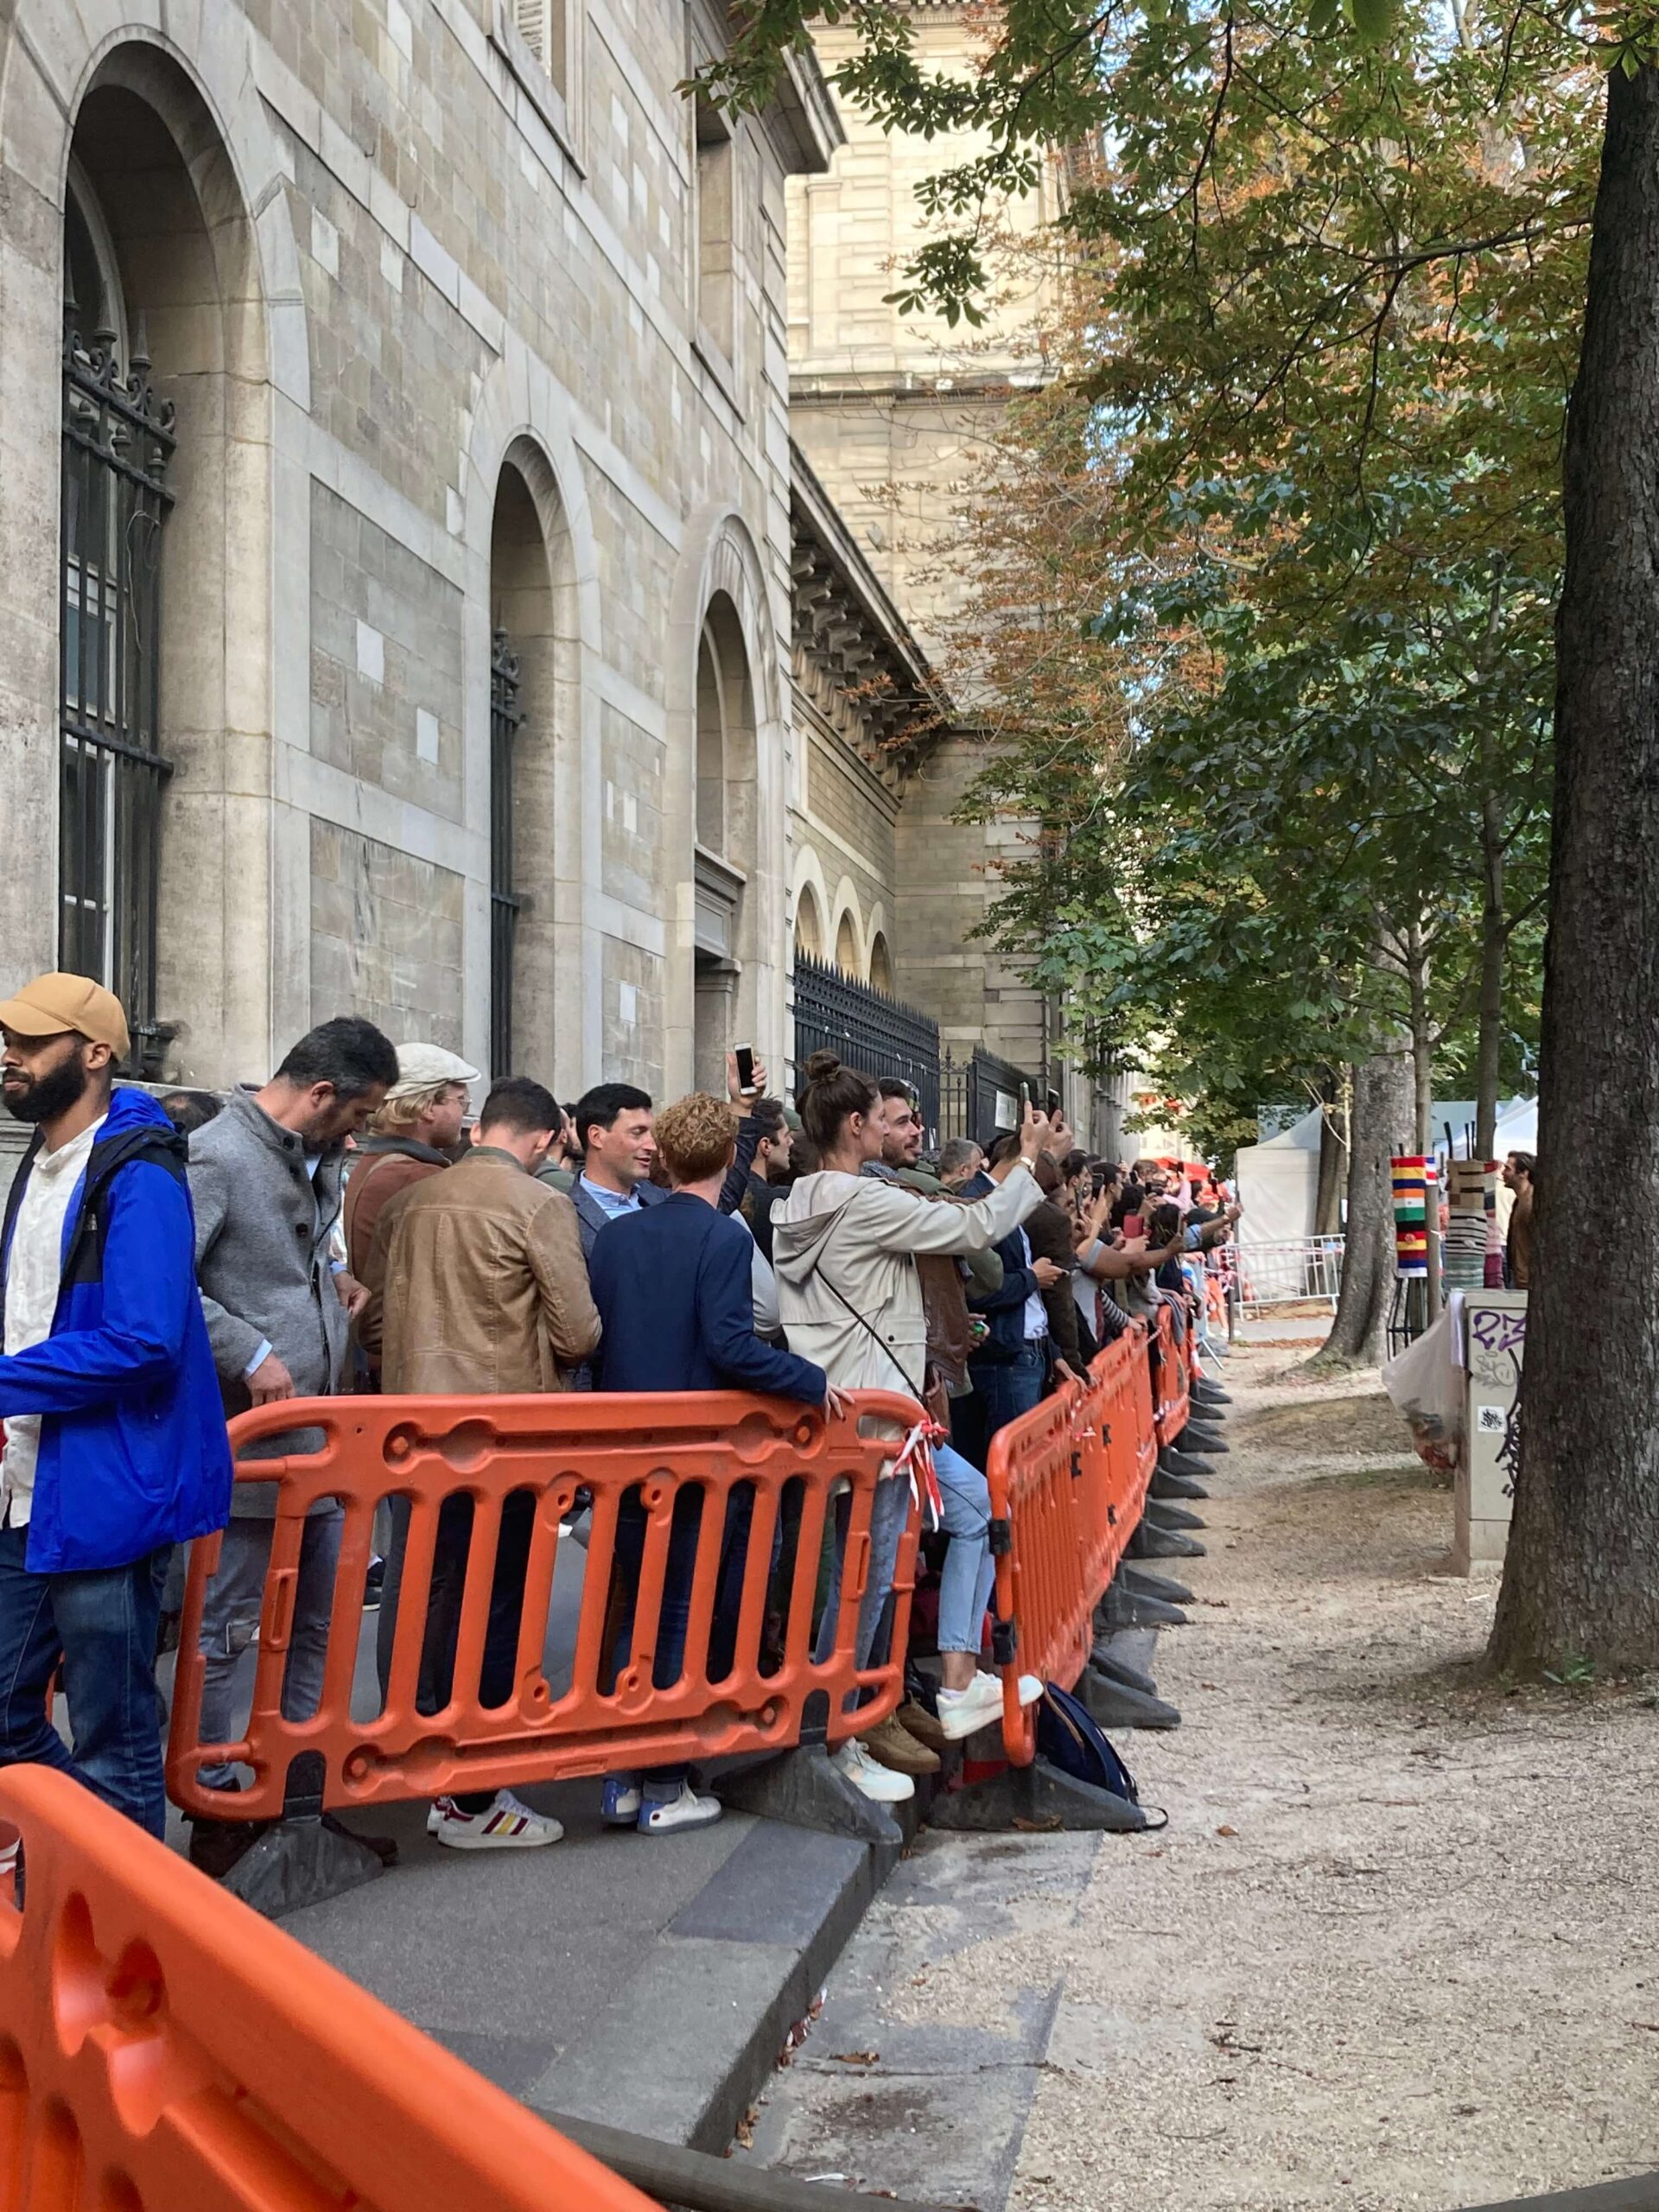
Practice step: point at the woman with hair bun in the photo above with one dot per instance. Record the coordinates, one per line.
(844, 1248)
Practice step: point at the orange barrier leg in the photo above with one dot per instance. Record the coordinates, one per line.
(164, 2050)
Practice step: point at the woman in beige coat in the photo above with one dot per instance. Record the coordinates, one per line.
(844, 1249)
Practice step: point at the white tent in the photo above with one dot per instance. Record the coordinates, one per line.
(1278, 1183)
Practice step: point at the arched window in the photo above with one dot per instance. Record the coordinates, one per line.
(809, 924)
(846, 947)
(726, 837)
(118, 442)
(880, 964)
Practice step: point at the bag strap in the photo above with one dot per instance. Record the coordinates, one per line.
(873, 1334)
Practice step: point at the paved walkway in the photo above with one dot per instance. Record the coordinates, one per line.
(648, 1983)
(1392, 1950)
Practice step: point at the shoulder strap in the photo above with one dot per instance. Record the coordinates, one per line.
(874, 1335)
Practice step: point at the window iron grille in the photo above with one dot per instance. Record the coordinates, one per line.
(117, 440)
(507, 719)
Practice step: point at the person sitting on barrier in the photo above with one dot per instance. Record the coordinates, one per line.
(115, 1444)
(846, 1247)
(265, 1178)
(673, 1289)
(478, 1288)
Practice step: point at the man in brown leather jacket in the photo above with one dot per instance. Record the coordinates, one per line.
(478, 1286)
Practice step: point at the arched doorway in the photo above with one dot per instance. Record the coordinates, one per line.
(880, 964)
(726, 844)
(165, 436)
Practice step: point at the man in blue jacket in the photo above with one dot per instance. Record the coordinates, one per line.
(115, 1446)
(673, 1286)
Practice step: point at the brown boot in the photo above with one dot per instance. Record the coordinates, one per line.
(921, 1723)
(897, 1748)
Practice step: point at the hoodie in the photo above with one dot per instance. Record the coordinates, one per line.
(844, 1250)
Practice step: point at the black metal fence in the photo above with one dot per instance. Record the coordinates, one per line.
(117, 440)
(975, 1096)
(866, 1029)
(979, 1096)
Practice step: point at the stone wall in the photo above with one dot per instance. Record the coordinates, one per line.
(387, 258)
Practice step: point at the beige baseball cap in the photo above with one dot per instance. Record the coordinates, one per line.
(52, 1004)
(420, 1067)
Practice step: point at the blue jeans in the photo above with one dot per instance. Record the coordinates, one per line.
(1008, 1387)
(230, 1615)
(969, 1572)
(101, 1625)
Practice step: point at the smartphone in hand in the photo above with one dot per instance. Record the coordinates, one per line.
(744, 1055)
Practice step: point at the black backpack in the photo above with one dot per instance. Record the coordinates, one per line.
(1070, 1738)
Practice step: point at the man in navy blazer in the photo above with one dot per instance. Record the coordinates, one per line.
(672, 1283)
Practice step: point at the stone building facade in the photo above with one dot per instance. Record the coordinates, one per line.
(396, 526)
(894, 414)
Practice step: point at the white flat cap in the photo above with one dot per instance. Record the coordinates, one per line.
(420, 1066)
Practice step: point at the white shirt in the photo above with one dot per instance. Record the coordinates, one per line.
(1036, 1316)
(34, 1274)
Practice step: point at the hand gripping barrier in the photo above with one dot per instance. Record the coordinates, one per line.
(1170, 1380)
(164, 2050)
(732, 1495)
(1067, 1481)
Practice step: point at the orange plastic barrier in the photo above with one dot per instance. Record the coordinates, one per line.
(163, 2049)
(759, 1473)
(1170, 1378)
(1068, 1481)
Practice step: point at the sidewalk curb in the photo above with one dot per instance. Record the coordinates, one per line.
(690, 2037)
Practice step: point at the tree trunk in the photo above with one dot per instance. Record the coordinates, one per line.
(1333, 1153)
(1494, 944)
(1582, 1578)
(1382, 1101)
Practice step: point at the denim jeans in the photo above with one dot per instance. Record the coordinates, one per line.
(101, 1625)
(969, 1572)
(1009, 1388)
(888, 1513)
(230, 1614)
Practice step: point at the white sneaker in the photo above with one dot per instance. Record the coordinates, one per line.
(962, 1712)
(507, 1825)
(504, 1800)
(666, 1816)
(879, 1784)
(1031, 1689)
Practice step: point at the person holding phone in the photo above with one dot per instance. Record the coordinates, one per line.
(846, 1247)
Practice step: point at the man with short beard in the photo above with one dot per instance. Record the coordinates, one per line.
(115, 1445)
(265, 1177)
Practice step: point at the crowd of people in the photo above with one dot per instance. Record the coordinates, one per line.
(170, 1262)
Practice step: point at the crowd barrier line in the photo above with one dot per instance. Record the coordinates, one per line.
(771, 1484)
(163, 2049)
(1170, 1380)
(1068, 1482)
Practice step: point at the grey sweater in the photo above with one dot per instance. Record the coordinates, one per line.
(263, 1227)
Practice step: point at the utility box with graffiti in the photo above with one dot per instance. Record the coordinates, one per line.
(1495, 1338)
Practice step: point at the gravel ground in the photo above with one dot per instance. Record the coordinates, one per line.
(1396, 1946)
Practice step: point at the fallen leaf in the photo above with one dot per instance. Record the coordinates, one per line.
(1226, 1831)
(855, 2057)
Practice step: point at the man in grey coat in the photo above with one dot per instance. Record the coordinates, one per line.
(265, 1181)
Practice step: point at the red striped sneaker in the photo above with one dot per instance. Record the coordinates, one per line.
(507, 1825)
